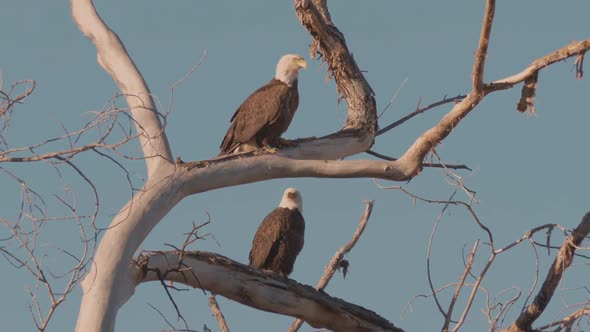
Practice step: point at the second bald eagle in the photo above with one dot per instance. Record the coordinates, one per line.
(279, 238)
(266, 114)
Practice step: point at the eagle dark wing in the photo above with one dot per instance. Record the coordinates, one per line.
(260, 109)
(278, 241)
(266, 237)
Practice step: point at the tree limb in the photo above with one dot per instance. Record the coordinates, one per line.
(482, 49)
(259, 289)
(574, 48)
(113, 58)
(273, 166)
(329, 43)
(416, 153)
(564, 259)
(217, 313)
(567, 321)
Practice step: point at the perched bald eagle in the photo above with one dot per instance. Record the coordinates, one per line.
(279, 237)
(266, 114)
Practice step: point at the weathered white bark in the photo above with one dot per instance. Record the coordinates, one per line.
(204, 176)
(262, 290)
(108, 285)
(113, 58)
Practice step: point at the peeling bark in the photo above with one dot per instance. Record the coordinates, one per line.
(329, 43)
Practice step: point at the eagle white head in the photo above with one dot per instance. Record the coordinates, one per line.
(292, 200)
(288, 68)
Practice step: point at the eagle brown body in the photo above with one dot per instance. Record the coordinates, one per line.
(267, 113)
(280, 236)
(263, 117)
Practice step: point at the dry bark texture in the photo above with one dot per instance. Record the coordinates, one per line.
(259, 289)
(329, 43)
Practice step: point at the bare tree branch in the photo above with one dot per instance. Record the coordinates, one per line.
(563, 260)
(414, 156)
(7, 102)
(217, 313)
(21, 250)
(482, 49)
(573, 49)
(329, 43)
(259, 289)
(334, 263)
(426, 164)
(567, 321)
(460, 285)
(239, 170)
(419, 110)
(113, 58)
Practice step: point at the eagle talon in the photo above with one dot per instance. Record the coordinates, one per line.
(285, 143)
(270, 150)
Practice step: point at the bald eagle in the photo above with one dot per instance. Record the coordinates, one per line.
(279, 238)
(266, 113)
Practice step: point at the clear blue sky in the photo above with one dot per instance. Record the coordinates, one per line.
(528, 170)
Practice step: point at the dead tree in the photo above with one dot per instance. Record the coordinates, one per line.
(117, 269)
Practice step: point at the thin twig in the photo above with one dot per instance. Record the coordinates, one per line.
(432, 165)
(460, 286)
(183, 79)
(420, 110)
(428, 255)
(566, 321)
(393, 98)
(474, 290)
(408, 306)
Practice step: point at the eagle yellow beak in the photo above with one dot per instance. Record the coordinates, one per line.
(302, 63)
